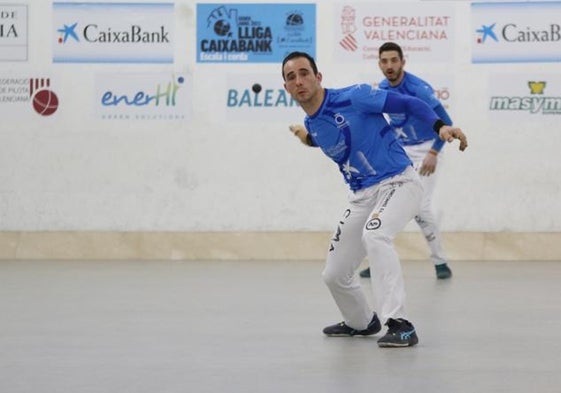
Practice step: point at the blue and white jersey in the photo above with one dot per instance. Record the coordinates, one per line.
(350, 128)
(409, 129)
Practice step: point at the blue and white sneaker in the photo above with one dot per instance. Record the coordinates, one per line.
(401, 333)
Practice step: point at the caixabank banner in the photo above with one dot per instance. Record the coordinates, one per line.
(113, 32)
(254, 33)
(516, 32)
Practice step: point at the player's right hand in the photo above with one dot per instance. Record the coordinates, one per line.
(449, 133)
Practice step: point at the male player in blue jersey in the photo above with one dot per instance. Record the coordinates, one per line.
(420, 142)
(348, 125)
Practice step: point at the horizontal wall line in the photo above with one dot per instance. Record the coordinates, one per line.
(260, 246)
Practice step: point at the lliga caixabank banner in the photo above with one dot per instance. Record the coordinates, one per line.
(516, 32)
(424, 30)
(113, 32)
(254, 33)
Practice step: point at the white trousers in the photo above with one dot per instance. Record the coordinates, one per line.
(372, 219)
(426, 219)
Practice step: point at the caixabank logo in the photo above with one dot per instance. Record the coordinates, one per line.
(246, 33)
(235, 36)
(113, 32)
(516, 32)
(536, 102)
(94, 33)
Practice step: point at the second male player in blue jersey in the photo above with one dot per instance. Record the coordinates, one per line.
(421, 144)
(348, 125)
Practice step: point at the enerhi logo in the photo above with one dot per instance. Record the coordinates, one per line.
(45, 101)
(164, 94)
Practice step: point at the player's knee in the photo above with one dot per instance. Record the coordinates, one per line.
(329, 277)
(375, 238)
(334, 278)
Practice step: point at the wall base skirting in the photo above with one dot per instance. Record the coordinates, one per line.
(260, 246)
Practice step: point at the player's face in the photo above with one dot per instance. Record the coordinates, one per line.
(391, 66)
(301, 82)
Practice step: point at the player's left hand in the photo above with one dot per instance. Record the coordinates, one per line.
(449, 133)
(300, 132)
(428, 165)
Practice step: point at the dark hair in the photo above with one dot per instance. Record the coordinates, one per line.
(388, 46)
(294, 55)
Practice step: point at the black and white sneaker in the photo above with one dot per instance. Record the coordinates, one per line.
(401, 333)
(343, 330)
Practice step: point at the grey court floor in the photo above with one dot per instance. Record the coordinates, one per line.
(162, 326)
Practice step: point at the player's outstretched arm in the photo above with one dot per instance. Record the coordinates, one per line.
(300, 131)
(449, 133)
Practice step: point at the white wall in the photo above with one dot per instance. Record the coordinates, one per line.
(210, 173)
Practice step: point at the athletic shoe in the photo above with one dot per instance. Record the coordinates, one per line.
(401, 333)
(365, 273)
(343, 330)
(443, 271)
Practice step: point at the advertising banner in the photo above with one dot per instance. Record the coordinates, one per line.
(260, 98)
(24, 96)
(254, 33)
(424, 30)
(113, 32)
(516, 32)
(143, 96)
(523, 97)
(13, 32)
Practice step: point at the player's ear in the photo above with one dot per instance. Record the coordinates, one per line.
(319, 77)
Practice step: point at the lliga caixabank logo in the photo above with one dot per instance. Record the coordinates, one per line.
(22, 95)
(113, 32)
(516, 32)
(254, 33)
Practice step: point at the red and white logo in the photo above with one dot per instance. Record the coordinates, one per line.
(44, 100)
(349, 43)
